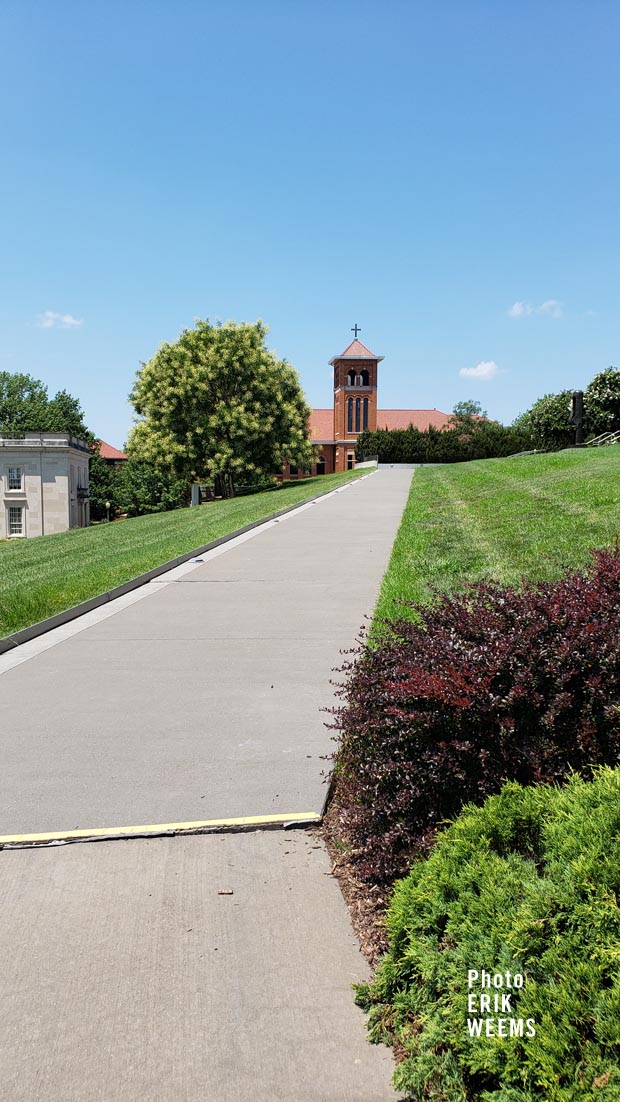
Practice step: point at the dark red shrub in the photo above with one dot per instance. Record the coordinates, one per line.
(489, 685)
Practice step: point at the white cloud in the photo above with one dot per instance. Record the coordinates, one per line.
(552, 308)
(51, 320)
(485, 370)
(520, 309)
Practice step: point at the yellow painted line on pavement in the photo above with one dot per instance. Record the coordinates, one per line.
(300, 817)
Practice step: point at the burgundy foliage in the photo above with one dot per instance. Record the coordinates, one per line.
(489, 685)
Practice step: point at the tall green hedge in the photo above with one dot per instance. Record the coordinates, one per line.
(467, 439)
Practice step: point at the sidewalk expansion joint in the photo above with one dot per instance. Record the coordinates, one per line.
(236, 825)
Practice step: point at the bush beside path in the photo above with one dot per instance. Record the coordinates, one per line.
(493, 658)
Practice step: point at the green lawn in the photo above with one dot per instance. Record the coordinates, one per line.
(41, 576)
(502, 519)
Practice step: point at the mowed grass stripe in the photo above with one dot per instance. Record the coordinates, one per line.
(42, 576)
(502, 519)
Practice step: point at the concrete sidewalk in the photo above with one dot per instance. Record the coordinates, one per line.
(204, 699)
(127, 978)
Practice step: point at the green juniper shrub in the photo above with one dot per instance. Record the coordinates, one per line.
(529, 884)
(489, 685)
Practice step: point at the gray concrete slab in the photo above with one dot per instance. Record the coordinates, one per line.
(204, 699)
(127, 978)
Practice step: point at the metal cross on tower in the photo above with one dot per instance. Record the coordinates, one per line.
(355, 329)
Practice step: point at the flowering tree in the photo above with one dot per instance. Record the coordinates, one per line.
(602, 402)
(547, 423)
(219, 405)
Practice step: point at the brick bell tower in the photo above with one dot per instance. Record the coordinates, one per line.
(355, 398)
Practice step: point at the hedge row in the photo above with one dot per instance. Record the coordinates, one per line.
(485, 686)
(468, 439)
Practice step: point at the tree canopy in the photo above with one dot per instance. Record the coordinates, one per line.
(547, 422)
(468, 408)
(25, 406)
(219, 405)
(602, 402)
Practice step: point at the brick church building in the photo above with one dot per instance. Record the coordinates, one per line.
(335, 431)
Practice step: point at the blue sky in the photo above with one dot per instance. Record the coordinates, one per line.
(421, 169)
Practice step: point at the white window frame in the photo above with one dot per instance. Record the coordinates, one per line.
(15, 489)
(21, 510)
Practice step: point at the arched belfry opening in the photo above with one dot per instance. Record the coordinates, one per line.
(355, 397)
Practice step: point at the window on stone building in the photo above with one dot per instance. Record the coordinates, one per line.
(351, 378)
(293, 471)
(350, 461)
(15, 478)
(358, 403)
(349, 415)
(365, 421)
(320, 465)
(364, 377)
(16, 520)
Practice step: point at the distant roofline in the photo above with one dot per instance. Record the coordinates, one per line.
(336, 359)
(118, 454)
(356, 351)
(44, 440)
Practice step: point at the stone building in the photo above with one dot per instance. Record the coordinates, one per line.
(356, 384)
(44, 484)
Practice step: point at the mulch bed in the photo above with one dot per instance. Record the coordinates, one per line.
(367, 903)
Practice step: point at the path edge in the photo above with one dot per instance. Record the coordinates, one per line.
(24, 635)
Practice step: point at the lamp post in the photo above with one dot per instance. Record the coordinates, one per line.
(107, 511)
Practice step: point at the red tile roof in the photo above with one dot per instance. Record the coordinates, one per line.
(106, 451)
(356, 351)
(322, 420)
(322, 424)
(419, 418)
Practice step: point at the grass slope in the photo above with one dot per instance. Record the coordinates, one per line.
(41, 576)
(502, 519)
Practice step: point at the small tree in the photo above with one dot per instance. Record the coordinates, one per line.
(218, 405)
(468, 408)
(602, 402)
(103, 485)
(142, 488)
(547, 422)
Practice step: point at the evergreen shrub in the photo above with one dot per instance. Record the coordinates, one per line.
(489, 685)
(527, 884)
(467, 438)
